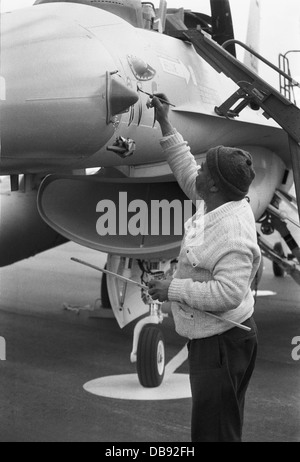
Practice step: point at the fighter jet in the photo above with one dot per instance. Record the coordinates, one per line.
(75, 81)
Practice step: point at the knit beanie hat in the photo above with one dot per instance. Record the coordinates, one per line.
(232, 170)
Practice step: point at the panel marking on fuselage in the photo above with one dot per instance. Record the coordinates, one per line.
(176, 67)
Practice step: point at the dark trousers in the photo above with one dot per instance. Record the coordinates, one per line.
(220, 370)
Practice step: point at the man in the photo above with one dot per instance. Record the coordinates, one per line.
(218, 260)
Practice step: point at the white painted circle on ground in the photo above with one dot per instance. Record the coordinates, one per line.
(176, 386)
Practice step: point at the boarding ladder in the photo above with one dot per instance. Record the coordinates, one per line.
(252, 91)
(286, 85)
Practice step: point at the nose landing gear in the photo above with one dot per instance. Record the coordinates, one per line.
(151, 356)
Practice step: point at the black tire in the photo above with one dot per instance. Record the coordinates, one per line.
(151, 356)
(278, 270)
(104, 292)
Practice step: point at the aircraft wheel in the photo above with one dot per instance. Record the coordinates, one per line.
(151, 356)
(278, 270)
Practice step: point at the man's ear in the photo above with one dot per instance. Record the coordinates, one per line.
(212, 186)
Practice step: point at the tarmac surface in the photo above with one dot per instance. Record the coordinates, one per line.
(52, 352)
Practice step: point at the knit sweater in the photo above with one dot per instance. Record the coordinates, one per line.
(218, 260)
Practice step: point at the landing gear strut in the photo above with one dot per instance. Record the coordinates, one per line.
(276, 219)
(129, 304)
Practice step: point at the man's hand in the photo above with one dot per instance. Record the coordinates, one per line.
(158, 290)
(162, 112)
(161, 108)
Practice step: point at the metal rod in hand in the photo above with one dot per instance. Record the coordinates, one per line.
(110, 273)
(142, 286)
(152, 96)
(236, 324)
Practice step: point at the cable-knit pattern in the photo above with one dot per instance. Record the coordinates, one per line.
(218, 260)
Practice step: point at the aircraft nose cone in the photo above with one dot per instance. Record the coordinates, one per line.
(119, 97)
(60, 91)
